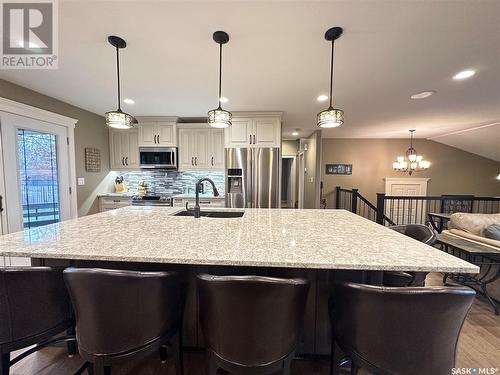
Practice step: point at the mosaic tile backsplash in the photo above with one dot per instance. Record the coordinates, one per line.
(171, 183)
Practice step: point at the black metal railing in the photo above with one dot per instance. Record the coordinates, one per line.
(416, 209)
(398, 210)
(353, 201)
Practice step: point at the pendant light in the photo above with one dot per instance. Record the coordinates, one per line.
(331, 117)
(218, 117)
(118, 119)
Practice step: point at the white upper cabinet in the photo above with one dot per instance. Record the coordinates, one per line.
(259, 129)
(157, 133)
(124, 149)
(201, 148)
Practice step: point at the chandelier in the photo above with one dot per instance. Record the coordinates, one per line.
(412, 161)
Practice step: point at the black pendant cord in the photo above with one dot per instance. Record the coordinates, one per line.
(220, 73)
(331, 75)
(118, 76)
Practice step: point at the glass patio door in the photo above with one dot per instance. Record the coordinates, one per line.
(36, 177)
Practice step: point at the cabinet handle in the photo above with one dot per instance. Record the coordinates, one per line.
(123, 161)
(196, 160)
(1, 205)
(212, 161)
(155, 139)
(254, 139)
(192, 160)
(158, 138)
(250, 139)
(126, 160)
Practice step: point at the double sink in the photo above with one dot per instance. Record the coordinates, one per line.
(214, 214)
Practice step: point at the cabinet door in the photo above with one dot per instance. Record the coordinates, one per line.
(217, 148)
(267, 132)
(116, 156)
(186, 151)
(148, 134)
(238, 134)
(202, 149)
(132, 152)
(166, 134)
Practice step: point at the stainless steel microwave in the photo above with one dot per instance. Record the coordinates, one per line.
(158, 157)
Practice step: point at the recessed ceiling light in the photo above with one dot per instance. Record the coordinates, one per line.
(423, 94)
(464, 74)
(223, 99)
(322, 98)
(129, 101)
(295, 132)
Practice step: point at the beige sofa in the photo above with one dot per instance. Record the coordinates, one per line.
(472, 226)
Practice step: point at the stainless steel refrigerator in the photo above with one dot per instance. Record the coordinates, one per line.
(252, 177)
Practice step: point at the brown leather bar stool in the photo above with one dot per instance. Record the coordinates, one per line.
(418, 232)
(34, 308)
(251, 324)
(124, 315)
(404, 331)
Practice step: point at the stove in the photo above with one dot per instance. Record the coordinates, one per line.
(151, 200)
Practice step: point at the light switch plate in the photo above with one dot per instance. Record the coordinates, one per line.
(81, 181)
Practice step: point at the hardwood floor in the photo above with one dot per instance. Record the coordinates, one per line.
(479, 346)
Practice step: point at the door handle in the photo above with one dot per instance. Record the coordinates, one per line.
(254, 139)
(212, 161)
(192, 160)
(126, 160)
(123, 160)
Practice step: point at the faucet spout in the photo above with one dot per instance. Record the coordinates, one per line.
(196, 208)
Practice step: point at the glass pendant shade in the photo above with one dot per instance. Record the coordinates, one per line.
(330, 118)
(413, 162)
(219, 118)
(498, 176)
(119, 120)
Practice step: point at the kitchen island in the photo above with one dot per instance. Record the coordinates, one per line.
(322, 245)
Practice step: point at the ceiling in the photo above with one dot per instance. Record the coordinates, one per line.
(277, 59)
(483, 141)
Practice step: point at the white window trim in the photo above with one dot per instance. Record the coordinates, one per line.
(21, 109)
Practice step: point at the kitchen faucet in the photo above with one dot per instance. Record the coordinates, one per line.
(198, 187)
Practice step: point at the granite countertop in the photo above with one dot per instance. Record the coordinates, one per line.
(321, 239)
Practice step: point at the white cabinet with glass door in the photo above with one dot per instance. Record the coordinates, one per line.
(124, 149)
(155, 132)
(201, 148)
(37, 185)
(259, 129)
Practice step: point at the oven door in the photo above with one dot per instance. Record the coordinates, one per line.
(158, 157)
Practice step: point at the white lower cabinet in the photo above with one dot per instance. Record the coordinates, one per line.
(204, 202)
(112, 203)
(201, 149)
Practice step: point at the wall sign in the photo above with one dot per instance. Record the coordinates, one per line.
(92, 160)
(338, 169)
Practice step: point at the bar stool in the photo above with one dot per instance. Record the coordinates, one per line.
(251, 324)
(34, 308)
(404, 331)
(421, 233)
(124, 315)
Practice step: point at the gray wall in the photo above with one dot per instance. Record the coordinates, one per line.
(90, 131)
(312, 177)
(452, 171)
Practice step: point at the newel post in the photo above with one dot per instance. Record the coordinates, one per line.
(337, 197)
(380, 208)
(354, 201)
